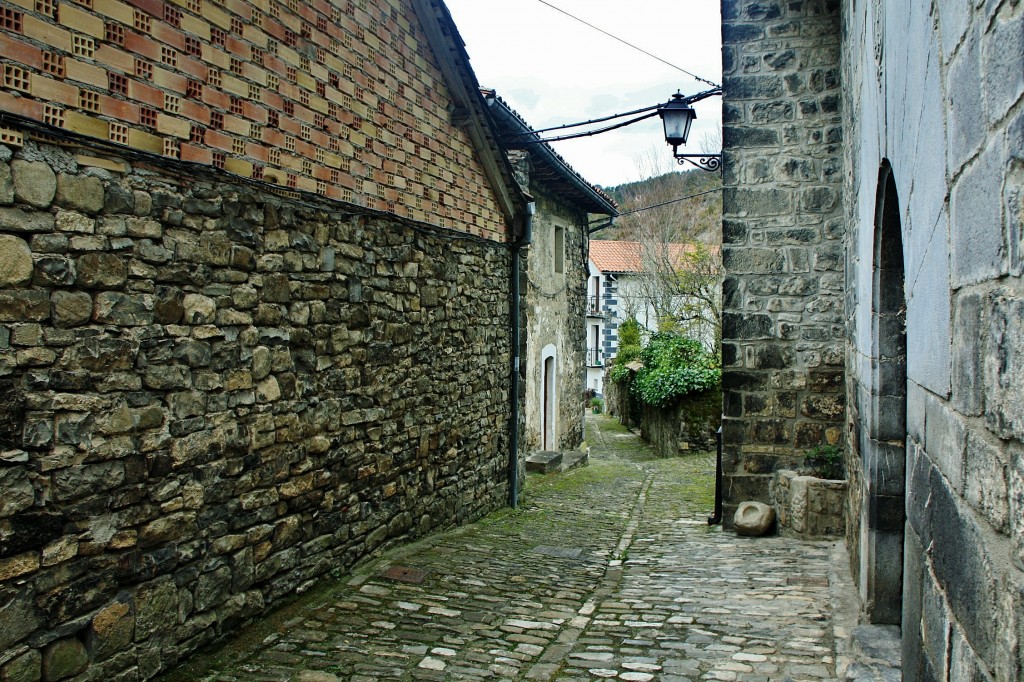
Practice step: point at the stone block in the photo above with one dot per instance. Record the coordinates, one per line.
(1015, 494)
(19, 493)
(16, 265)
(766, 87)
(71, 308)
(986, 482)
(129, 310)
(912, 653)
(6, 184)
(34, 182)
(978, 241)
(935, 624)
(101, 271)
(24, 306)
(15, 219)
(80, 192)
(54, 270)
(742, 202)
(968, 349)
(946, 440)
(27, 667)
(754, 519)
(1002, 76)
(1004, 365)
(746, 326)
(962, 566)
(111, 630)
(64, 658)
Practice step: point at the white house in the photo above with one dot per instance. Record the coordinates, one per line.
(625, 283)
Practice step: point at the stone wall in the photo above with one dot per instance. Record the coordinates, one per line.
(211, 396)
(935, 131)
(782, 235)
(689, 423)
(809, 507)
(555, 306)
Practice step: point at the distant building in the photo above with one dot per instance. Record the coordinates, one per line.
(623, 280)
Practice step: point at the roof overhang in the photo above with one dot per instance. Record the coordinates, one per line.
(549, 167)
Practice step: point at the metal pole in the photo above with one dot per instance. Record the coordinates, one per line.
(717, 518)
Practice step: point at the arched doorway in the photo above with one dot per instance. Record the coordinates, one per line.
(884, 453)
(549, 400)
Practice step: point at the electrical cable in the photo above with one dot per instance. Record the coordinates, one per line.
(574, 136)
(639, 49)
(594, 120)
(671, 201)
(600, 225)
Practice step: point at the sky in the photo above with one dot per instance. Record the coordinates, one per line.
(553, 70)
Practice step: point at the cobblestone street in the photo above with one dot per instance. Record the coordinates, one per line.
(607, 571)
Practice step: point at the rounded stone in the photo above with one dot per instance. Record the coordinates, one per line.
(71, 308)
(15, 261)
(754, 519)
(64, 658)
(35, 183)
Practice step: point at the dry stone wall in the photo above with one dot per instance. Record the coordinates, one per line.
(210, 396)
(782, 233)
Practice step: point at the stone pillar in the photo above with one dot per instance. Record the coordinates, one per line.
(782, 233)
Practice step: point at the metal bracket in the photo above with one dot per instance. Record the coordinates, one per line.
(707, 162)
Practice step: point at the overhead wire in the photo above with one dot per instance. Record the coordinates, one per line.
(598, 226)
(629, 44)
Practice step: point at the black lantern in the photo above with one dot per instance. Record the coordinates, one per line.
(677, 116)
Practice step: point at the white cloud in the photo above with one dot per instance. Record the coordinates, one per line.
(554, 70)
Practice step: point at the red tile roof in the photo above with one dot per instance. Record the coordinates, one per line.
(618, 256)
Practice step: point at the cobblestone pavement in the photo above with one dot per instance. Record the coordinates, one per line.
(605, 572)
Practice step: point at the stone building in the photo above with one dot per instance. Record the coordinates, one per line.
(256, 264)
(554, 284)
(874, 158)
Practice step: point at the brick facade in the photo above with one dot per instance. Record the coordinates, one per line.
(343, 99)
(783, 348)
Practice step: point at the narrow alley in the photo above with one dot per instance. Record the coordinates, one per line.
(608, 571)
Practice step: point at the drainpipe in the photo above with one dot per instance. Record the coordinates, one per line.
(513, 447)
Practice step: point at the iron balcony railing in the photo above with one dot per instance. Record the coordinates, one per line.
(594, 357)
(593, 305)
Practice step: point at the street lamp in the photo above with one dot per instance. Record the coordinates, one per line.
(677, 116)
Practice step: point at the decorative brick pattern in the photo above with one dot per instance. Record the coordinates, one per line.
(376, 98)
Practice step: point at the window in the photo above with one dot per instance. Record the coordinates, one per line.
(559, 250)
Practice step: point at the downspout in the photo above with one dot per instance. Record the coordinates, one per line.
(513, 448)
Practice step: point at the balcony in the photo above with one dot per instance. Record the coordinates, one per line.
(594, 306)
(594, 357)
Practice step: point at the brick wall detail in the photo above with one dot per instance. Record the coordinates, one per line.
(341, 98)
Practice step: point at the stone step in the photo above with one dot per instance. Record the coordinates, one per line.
(548, 461)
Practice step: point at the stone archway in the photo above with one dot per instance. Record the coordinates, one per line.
(884, 452)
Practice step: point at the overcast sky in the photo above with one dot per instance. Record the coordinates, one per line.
(553, 70)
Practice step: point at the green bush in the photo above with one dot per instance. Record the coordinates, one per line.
(826, 461)
(629, 350)
(674, 366)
